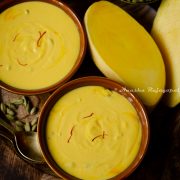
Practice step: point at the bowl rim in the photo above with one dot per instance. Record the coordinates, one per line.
(109, 84)
(82, 51)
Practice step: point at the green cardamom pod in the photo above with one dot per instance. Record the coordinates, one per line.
(18, 128)
(34, 121)
(12, 106)
(3, 108)
(28, 107)
(9, 117)
(17, 101)
(34, 127)
(10, 112)
(19, 123)
(33, 111)
(24, 101)
(27, 127)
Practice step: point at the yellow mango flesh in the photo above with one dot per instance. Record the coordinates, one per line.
(166, 33)
(124, 51)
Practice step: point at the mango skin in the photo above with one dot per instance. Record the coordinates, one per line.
(124, 51)
(166, 33)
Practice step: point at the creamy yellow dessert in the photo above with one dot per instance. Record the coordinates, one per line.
(39, 45)
(93, 133)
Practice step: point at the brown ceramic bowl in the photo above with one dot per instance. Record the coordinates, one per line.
(97, 81)
(6, 4)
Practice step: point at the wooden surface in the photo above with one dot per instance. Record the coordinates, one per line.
(162, 160)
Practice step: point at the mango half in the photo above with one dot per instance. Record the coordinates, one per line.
(166, 33)
(124, 51)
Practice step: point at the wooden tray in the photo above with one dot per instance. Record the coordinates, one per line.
(162, 160)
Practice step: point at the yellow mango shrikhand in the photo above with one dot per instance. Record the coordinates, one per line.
(39, 45)
(93, 133)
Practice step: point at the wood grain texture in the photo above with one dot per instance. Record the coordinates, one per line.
(14, 168)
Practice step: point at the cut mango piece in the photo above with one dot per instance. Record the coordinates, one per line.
(124, 51)
(166, 33)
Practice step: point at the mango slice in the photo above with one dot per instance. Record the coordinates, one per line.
(124, 51)
(166, 33)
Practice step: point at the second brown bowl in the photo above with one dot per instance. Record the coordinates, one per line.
(93, 128)
(44, 44)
